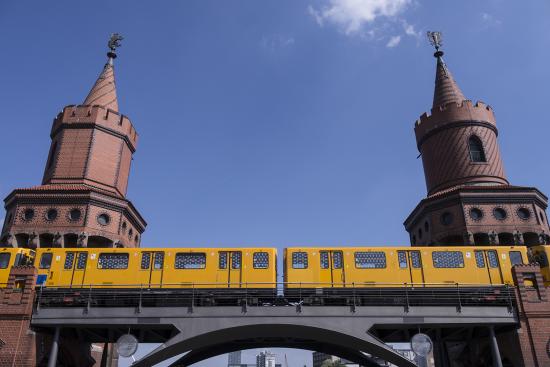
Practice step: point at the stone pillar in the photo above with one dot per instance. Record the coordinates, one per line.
(16, 305)
(518, 238)
(534, 315)
(82, 240)
(495, 352)
(52, 362)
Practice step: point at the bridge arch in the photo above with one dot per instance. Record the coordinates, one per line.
(203, 338)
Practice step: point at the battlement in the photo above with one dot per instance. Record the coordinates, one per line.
(100, 116)
(453, 112)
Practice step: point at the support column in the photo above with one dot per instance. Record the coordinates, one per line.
(497, 362)
(52, 362)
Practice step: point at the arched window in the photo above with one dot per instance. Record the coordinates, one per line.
(477, 154)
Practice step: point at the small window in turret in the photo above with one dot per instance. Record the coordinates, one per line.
(475, 146)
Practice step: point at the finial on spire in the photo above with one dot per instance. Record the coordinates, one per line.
(113, 44)
(436, 40)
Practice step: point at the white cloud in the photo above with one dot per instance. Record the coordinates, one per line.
(353, 15)
(394, 41)
(490, 20)
(410, 30)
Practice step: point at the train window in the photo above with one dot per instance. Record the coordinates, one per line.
(370, 260)
(492, 258)
(190, 260)
(69, 260)
(222, 260)
(416, 260)
(46, 260)
(324, 259)
(448, 259)
(542, 259)
(402, 259)
(260, 260)
(159, 260)
(113, 261)
(299, 260)
(145, 260)
(4, 260)
(480, 261)
(337, 259)
(515, 258)
(81, 260)
(236, 260)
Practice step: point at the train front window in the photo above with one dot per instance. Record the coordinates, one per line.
(159, 260)
(236, 260)
(448, 259)
(299, 260)
(402, 259)
(416, 260)
(69, 260)
(81, 260)
(190, 260)
(260, 260)
(515, 258)
(113, 261)
(480, 261)
(145, 260)
(370, 260)
(46, 260)
(492, 258)
(4, 260)
(324, 259)
(337, 259)
(222, 260)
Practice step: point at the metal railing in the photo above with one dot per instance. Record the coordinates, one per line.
(269, 294)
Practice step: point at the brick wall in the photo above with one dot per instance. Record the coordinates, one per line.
(534, 315)
(16, 302)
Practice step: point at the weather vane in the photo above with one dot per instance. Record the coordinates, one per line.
(435, 39)
(113, 44)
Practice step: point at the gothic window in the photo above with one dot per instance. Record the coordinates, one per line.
(475, 146)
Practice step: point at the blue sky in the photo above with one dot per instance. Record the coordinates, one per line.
(274, 123)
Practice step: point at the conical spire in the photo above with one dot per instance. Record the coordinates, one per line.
(103, 93)
(446, 89)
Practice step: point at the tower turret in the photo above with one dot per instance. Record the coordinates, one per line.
(82, 199)
(469, 200)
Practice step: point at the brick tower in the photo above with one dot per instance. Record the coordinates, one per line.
(82, 200)
(469, 199)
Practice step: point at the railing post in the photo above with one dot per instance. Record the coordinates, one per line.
(299, 304)
(190, 308)
(353, 304)
(459, 306)
(407, 305)
(88, 304)
(140, 298)
(510, 303)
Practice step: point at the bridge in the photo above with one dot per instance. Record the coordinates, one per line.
(356, 327)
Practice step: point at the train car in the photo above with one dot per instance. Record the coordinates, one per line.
(541, 254)
(328, 270)
(158, 268)
(10, 256)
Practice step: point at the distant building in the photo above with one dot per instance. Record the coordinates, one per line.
(234, 358)
(319, 358)
(265, 359)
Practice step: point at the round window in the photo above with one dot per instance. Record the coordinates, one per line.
(499, 213)
(524, 213)
(426, 227)
(103, 219)
(75, 214)
(446, 218)
(28, 214)
(51, 214)
(476, 214)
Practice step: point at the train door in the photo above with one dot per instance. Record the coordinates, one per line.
(234, 269)
(488, 261)
(411, 260)
(157, 269)
(332, 268)
(79, 268)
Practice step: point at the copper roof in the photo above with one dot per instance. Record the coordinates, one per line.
(103, 92)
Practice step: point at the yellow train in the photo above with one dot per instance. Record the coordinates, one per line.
(13, 257)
